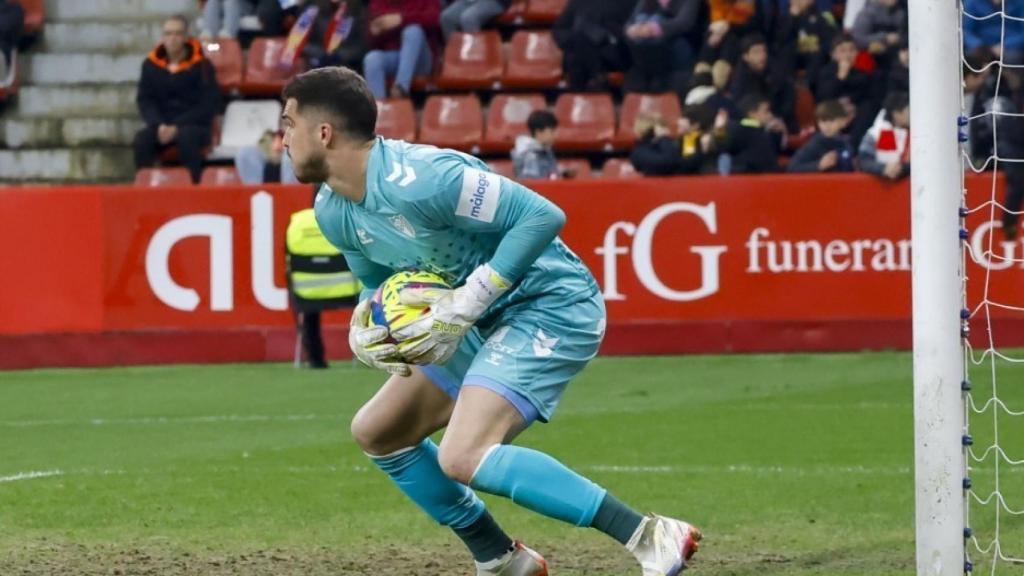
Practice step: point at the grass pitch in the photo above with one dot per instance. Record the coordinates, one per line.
(791, 464)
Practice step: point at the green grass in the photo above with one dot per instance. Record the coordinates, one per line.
(792, 464)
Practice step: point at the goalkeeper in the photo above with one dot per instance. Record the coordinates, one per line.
(493, 356)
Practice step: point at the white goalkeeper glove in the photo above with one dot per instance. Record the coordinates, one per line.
(368, 345)
(433, 338)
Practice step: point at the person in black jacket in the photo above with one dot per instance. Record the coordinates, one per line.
(590, 35)
(802, 37)
(178, 98)
(664, 37)
(655, 152)
(754, 142)
(829, 150)
(839, 80)
(756, 74)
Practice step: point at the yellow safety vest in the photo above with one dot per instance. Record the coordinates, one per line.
(317, 270)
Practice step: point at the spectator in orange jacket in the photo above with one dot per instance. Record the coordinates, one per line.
(403, 36)
(177, 97)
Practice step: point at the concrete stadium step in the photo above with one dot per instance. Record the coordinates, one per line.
(113, 10)
(67, 165)
(76, 101)
(100, 36)
(36, 132)
(74, 68)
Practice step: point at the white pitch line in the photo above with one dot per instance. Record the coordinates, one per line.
(165, 420)
(29, 475)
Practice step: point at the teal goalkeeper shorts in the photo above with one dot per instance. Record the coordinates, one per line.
(528, 353)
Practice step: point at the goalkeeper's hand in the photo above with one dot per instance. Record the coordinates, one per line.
(368, 345)
(434, 338)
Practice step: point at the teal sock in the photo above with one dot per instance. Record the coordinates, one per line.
(484, 538)
(616, 519)
(540, 483)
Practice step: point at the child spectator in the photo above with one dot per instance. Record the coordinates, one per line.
(839, 80)
(828, 150)
(403, 35)
(753, 143)
(885, 149)
(803, 35)
(753, 75)
(697, 146)
(655, 153)
(532, 156)
(177, 97)
(470, 15)
(590, 35)
(663, 37)
(881, 27)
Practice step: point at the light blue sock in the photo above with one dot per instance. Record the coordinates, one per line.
(417, 473)
(540, 483)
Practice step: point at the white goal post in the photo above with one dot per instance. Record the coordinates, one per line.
(936, 197)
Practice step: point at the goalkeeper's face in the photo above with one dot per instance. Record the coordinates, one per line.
(305, 141)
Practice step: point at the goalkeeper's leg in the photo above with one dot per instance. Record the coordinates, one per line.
(393, 429)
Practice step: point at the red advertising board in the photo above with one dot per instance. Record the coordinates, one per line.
(108, 274)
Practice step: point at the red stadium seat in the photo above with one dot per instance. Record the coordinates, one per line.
(514, 13)
(472, 61)
(578, 168)
(544, 11)
(220, 176)
(35, 14)
(620, 168)
(506, 119)
(503, 167)
(585, 122)
(226, 56)
(667, 105)
(396, 119)
(452, 121)
(264, 73)
(163, 177)
(534, 61)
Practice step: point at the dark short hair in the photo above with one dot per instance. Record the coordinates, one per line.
(339, 93)
(841, 39)
(895, 101)
(541, 120)
(830, 110)
(751, 40)
(700, 114)
(750, 102)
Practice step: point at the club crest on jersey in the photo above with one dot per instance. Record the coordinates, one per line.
(402, 225)
(480, 193)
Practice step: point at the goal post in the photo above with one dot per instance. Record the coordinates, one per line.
(936, 195)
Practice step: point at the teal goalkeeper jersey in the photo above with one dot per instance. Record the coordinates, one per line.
(442, 211)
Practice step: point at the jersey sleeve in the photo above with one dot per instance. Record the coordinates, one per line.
(468, 196)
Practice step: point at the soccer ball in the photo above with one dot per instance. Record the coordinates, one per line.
(386, 308)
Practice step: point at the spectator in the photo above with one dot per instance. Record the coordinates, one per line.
(12, 22)
(655, 152)
(663, 37)
(987, 33)
(177, 97)
(839, 80)
(706, 90)
(265, 161)
(829, 150)
(403, 36)
(899, 72)
(730, 21)
(338, 35)
(885, 149)
(753, 144)
(802, 36)
(470, 15)
(881, 27)
(532, 156)
(753, 75)
(222, 17)
(272, 15)
(590, 35)
(698, 148)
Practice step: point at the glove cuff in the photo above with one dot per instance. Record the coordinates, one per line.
(486, 285)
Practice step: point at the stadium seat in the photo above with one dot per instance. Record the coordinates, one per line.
(579, 168)
(220, 176)
(264, 73)
(151, 177)
(472, 61)
(585, 122)
(452, 121)
(534, 61)
(35, 14)
(506, 119)
(226, 56)
(805, 108)
(514, 14)
(666, 104)
(544, 11)
(619, 168)
(503, 167)
(396, 119)
(244, 122)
